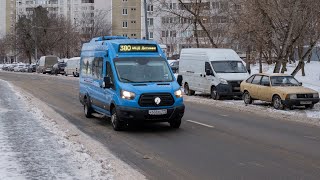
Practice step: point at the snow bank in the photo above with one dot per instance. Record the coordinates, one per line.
(87, 158)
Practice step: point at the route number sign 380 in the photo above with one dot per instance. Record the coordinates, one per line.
(138, 48)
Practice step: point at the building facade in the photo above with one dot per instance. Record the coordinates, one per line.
(7, 16)
(72, 10)
(127, 18)
(171, 24)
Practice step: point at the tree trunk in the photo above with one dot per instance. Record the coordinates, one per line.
(302, 69)
(284, 67)
(196, 33)
(309, 57)
(260, 62)
(297, 69)
(277, 67)
(248, 58)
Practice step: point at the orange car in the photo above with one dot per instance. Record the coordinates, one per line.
(280, 89)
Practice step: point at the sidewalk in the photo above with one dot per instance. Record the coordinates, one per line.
(30, 150)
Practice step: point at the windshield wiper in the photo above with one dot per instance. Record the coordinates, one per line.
(127, 80)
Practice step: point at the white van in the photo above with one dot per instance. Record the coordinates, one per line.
(217, 72)
(45, 64)
(72, 67)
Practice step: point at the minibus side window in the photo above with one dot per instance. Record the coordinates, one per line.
(110, 74)
(87, 66)
(97, 67)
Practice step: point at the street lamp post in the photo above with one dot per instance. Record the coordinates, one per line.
(146, 19)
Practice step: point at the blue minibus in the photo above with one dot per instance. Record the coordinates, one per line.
(128, 80)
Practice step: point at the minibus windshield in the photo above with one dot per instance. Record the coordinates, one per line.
(142, 70)
(228, 67)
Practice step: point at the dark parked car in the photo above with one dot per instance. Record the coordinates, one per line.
(32, 68)
(58, 68)
(175, 66)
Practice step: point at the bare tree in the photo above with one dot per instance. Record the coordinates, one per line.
(95, 24)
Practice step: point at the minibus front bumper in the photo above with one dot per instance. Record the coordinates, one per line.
(137, 114)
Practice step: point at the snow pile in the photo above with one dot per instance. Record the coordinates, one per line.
(34, 146)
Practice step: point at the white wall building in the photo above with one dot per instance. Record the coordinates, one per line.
(7, 16)
(73, 10)
(3, 17)
(177, 33)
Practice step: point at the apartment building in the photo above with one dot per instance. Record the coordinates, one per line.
(7, 16)
(73, 10)
(177, 32)
(127, 18)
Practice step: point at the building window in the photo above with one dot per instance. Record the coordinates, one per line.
(150, 21)
(150, 35)
(150, 8)
(124, 24)
(133, 22)
(124, 11)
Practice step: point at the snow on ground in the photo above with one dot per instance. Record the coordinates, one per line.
(35, 146)
(311, 80)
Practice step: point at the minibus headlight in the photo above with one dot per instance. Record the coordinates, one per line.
(223, 81)
(178, 93)
(127, 95)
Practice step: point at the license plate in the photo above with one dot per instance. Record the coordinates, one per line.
(236, 88)
(158, 112)
(305, 102)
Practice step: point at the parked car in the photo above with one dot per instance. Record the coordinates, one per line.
(175, 66)
(5, 67)
(280, 89)
(19, 68)
(32, 68)
(12, 66)
(45, 64)
(72, 67)
(58, 68)
(213, 71)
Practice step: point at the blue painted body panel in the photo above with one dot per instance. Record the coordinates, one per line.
(102, 98)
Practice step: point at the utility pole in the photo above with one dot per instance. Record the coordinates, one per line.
(146, 19)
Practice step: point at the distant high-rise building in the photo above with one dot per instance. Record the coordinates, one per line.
(126, 18)
(7, 16)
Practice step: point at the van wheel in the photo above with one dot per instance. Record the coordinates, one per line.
(87, 108)
(187, 91)
(115, 121)
(175, 123)
(214, 93)
(276, 101)
(247, 98)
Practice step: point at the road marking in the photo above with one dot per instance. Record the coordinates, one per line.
(224, 115)
(199, 123)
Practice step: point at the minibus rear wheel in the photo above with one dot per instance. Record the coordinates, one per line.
(87, 108)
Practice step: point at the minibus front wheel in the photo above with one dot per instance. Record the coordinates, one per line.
(117, 124)
(175, 123)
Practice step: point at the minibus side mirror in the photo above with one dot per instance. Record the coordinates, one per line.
(179, 80)
(209, 72)
(106, 82)
(300, 84)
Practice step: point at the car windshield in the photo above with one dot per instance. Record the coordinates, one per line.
(140, 70)
(228, 67)
(284, 81)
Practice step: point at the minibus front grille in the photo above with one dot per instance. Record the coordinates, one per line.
(148, 100)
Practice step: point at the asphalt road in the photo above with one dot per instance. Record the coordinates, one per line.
(212, 143)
